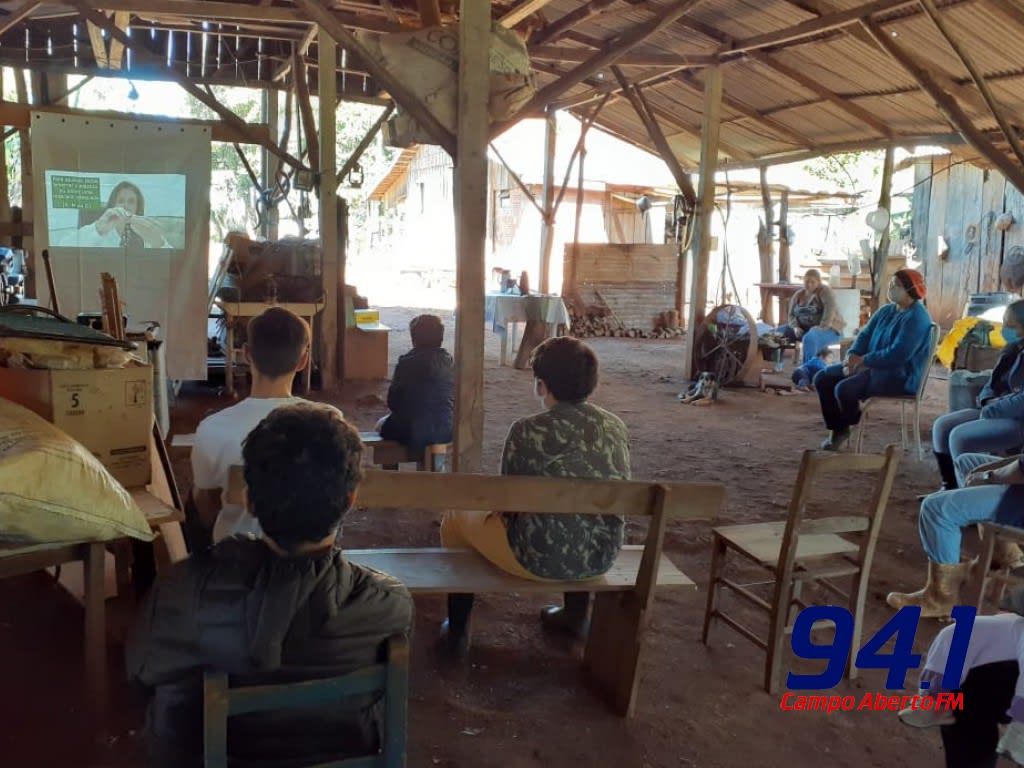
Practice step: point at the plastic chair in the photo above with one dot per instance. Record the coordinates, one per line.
(223, 699)
(904, 401)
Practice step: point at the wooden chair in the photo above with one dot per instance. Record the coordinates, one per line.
(623, 595)
(801, 550)
(224, 698)
(904, 401)
(991, 533)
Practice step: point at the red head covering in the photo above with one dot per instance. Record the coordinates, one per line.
(912, 282)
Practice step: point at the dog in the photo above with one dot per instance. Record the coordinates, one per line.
(704, 391)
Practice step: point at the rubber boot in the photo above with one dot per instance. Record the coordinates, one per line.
(455, 630)
(572, 620)
(947, 471)
(940, 592)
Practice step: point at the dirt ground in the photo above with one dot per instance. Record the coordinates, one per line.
(519, 701)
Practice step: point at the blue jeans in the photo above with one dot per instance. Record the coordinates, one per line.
(815, 340)
(961, 432)
(945, 514)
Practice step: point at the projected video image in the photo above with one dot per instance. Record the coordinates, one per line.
(134, 211)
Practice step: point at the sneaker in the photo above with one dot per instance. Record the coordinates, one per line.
(926, 718)
(835, 439)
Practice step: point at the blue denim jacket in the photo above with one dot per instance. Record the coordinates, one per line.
(1003, 395)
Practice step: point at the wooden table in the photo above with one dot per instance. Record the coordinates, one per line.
(781, 291)
(235, 309)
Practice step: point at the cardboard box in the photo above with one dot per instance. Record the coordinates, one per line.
(109, 411)
(366, 353)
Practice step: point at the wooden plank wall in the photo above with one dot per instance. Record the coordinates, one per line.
(959, 203)
(637, 282)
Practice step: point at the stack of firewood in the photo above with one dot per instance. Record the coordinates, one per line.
(591, 325)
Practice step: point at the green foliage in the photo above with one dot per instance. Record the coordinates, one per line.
(846, 171)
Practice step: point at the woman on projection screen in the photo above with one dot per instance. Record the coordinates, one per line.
(122, 224)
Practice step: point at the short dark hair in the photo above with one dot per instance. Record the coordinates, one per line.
(277, 338)
(302, 465)
(824, 352)
(138, 196)
(567, 366)
(426, 331)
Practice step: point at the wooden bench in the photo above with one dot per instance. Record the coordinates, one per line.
(623, 595)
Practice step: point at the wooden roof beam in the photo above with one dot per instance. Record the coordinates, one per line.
(301, 50)
(735, 105)
(948, 106)
(521, 12)
(811, 84)
(798, 156)
(640, 106)
(143, 54)
(402, 96)
(978, 78)
(563, 24)
(17, 16)
(636, 59)
(612, 51)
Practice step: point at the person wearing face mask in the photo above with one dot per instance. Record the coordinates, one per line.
(997, 424)
(570, 438)
(888, 357)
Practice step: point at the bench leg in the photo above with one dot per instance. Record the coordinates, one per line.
(986, 565)
(95, 635)
(612, 656)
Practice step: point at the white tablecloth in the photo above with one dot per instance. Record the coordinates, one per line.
(502, 309)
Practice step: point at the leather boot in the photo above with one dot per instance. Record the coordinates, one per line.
(455, 630)
(573, 619)
(947, 472)
(940, 592)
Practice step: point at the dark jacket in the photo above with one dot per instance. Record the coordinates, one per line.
(1003, 395)
(239, 608)
(421, 398)
(894, 345)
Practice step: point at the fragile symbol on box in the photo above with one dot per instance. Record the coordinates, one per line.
(135, 392)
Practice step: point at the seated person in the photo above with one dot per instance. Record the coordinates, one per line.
(287, 600)
(993, 492)
(999, 424)
(276, 348)
(992, 687)
(804, 375)
(888, 357)
(813, 317)
(422, 392)
(570, 438)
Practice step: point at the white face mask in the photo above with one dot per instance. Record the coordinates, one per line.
(896, 294)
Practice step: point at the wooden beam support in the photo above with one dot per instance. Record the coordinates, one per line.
(305, 105)
(401, 95)
(559, 26)
(563, 55)
(430, 12)
(811, 83)
(471, 232)
(143, 54)
(810, 28)
(301, 50)
(547, 227)
(785, 268)
(521, 12)
(800, 155)
(332, 318)
(269, 165)
(710, 123)
(978, 77)
(518, 181)
(365, 143)
(948, 106)
(16, 16)
(643, 111)
(613, 50)
(882, 249)
(766, 247)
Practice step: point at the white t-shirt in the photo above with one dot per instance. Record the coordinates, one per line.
(218, 447)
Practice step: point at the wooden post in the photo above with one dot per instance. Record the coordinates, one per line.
(332, 326)
(27, 192)
(784, 265)
(547, 232)
(710, 124)
(270, 163)
(580, 198)
(882, 249)
(766, 247)
(470, 232)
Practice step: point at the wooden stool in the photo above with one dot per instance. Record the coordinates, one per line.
(389, 454)
(992, 533)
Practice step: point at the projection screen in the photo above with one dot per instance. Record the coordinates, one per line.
(131, 198)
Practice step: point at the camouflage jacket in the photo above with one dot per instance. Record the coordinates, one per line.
(570, 440)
